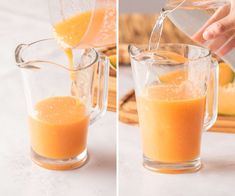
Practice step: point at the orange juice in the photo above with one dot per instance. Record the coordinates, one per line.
(85, 29)
(171, 120)
(59, 127)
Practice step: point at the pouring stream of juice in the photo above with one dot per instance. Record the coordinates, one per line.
(74, 89)
(91, 28)
(69, 33)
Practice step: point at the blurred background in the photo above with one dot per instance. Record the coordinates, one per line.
(142, 6)
(136, 21)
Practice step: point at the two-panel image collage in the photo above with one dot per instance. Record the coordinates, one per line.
(117, 97)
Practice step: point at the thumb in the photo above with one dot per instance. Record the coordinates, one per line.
(218, 28)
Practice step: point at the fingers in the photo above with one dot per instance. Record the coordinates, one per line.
(219, 14)
(219, 28)
(217, 43)
(227, 47)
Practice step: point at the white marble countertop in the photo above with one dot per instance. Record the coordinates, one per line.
(23, 22)
(217, 177)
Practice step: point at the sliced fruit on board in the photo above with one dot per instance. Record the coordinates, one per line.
(226, 98)
(226, 74)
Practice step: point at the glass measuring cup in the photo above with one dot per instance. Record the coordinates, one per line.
(58, 121)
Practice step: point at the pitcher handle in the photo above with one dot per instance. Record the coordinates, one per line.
(212, 96)
(102, 89)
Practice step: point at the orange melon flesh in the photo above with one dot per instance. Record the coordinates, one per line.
(226, 99)
(177, 58)
(226, 74)
(113, 61)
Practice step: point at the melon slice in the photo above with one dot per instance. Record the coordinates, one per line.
(226, 99)
(113, 61)
(226, 74)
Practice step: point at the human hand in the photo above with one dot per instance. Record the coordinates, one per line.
(219, 30)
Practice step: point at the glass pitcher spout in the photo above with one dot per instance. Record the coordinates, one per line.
(27, 57)
(46, 73)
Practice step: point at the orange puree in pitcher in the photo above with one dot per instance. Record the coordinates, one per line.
(171, 120)
(59, 128)
(71, 31)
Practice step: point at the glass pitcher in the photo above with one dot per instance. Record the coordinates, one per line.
(84, 23)
(192, 15)
(176, 90)
(58, 120)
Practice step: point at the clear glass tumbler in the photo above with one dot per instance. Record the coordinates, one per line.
(176, 92)
(60, 100)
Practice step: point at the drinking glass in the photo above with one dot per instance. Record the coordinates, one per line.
(176, 93)
(58, 118)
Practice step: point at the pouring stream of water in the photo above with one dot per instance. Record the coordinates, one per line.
(156, 34)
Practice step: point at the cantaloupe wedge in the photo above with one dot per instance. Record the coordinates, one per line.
(226, 74)
(113, 61)
(226, 98)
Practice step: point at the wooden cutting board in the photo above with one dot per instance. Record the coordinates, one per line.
(128, 114)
